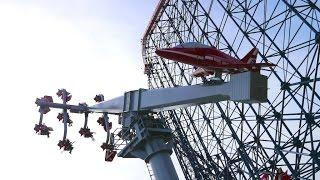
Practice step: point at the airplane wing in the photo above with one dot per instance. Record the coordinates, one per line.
(240, 66)
(229, 68)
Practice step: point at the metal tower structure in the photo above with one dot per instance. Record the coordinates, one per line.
(232, 140)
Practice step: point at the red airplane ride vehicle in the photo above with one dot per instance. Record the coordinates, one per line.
(210, 60)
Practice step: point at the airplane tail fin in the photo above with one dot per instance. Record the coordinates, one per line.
(251, 57)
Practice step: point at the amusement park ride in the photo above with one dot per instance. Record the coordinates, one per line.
(224, 117)
(142, 135)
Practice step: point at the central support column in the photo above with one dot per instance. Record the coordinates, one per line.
(163, 167)
(159, 159)
(152, 142)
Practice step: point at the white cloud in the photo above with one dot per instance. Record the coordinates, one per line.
(46, 45)
(38, 54)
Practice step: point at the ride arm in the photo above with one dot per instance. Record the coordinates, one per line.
(248, 87)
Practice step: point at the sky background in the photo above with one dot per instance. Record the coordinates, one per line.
(86, 46)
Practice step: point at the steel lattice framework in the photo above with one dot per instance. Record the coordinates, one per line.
(229, 140)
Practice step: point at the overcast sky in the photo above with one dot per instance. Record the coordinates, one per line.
(86, 46)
